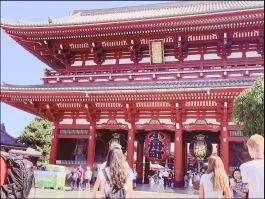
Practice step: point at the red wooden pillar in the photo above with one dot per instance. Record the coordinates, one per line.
(178, 157)
(54, 143)
(130, 147)
(146, 170)
(91, 145)
(224, 143)
(224, 148)
(140, 159)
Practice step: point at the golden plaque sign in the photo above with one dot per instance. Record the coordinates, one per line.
(156, 51)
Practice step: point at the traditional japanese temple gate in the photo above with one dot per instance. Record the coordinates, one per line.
(135, 70)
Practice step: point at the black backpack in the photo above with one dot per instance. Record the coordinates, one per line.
(113, 192)
(20, 177)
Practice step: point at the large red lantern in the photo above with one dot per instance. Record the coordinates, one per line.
(157, 146)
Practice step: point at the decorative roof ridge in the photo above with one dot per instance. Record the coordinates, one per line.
(40, 86)
(154, 11)
(154, 6)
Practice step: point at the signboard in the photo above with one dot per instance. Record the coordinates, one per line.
(50, 179)
(156, 51)
(157, 146)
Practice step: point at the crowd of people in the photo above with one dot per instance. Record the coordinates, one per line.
(245, 182)
(211, 181)
(80, 179)
(157, 177)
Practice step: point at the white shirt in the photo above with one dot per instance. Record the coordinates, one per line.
(135, 175)
(208, 187)
(253, 173)
(165, 174)
(196, 178)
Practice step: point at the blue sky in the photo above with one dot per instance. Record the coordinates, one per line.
(20, 67)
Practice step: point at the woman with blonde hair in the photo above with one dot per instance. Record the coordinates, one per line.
(214, 183)
(115, 177)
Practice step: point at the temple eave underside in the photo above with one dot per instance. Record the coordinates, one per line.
(59, 105)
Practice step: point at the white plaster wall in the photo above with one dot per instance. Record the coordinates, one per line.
(235, 75)
(67, 121)
(122, 121)
(81, 121)
(166, 121)
(167, 77)
(213, 76)
(143, 121)
(252, 54)
(90, 62)
(211, 121)
(170, 58)
(101, 121)
(145, 60)
(77, 63)
(193, 57)
(109, 62)
(211, 56)
(189, 77)
(126, 61)
(235, 55)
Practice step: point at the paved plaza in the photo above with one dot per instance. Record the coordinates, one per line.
(142, 191)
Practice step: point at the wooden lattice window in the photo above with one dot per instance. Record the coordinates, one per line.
(74, 131)
(236, 133)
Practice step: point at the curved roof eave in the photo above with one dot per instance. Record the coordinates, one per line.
(119, 16)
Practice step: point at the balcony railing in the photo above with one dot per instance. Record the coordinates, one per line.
(73, 131)
(65, 162)
(208, 71)
(236, 134)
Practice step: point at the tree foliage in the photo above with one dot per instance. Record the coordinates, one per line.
(37, 135)
(249, 108)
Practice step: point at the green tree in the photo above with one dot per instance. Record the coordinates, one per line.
(37, 135)
(249, 108)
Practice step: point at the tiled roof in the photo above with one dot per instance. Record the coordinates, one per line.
(143, 12)
(132, 86)
(8, 141)
(30, 152)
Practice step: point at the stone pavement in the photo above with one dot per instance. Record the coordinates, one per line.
(142, 191)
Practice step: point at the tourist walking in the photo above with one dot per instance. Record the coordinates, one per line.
(214, 183)
(165, 177)
(155, 176)
(87, 178)
(253, 171)
(95, 174)
(186, 180)
(196, 181)
(103, 165)
(115, 177)
(135, 174)
(80, 176)
(238, 188)
(170, 179)
(159, 177)
(74, 176)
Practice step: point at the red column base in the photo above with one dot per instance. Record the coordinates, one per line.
(139, 180)
(179, 184)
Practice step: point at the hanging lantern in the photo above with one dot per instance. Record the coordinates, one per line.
(115, 139)
(200, 148)
(157, 145)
